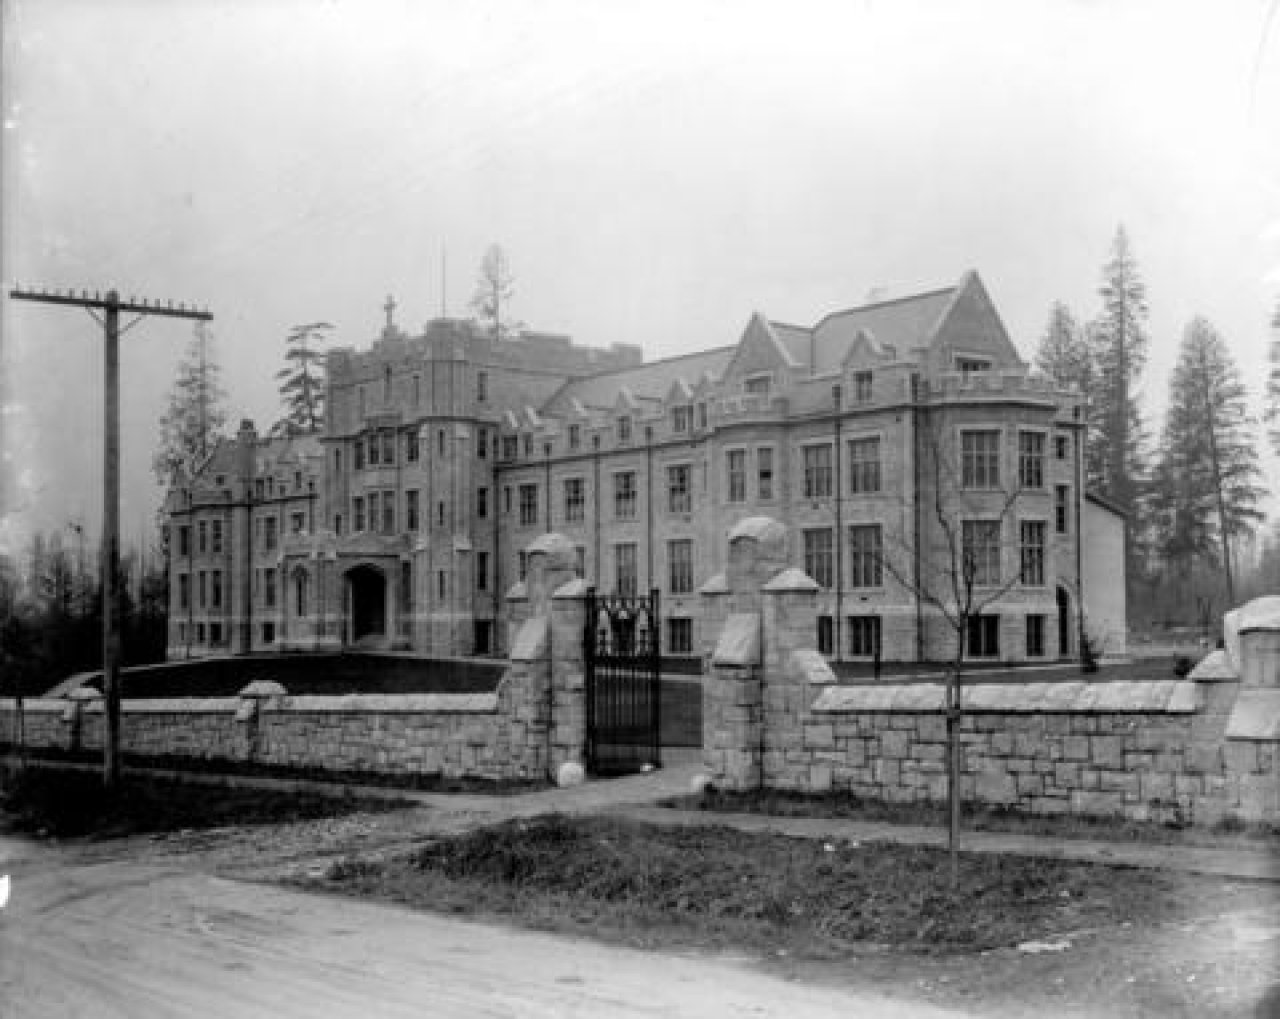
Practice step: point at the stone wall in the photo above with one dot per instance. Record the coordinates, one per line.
(530, 725)
(1184, 751)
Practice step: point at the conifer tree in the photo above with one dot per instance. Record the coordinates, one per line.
(1206, 488)
(494, 291)
(1271, 405)
(302, 380)
(196, 414)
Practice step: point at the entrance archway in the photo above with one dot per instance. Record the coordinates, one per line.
(1064, 623)
(367, 596)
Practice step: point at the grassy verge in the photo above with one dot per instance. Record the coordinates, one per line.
(427, 783)
(1228, 833)
(71, 804)
(713, 887)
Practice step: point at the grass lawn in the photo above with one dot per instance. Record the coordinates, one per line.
(70, 804)
(714, 887)
(843, 805)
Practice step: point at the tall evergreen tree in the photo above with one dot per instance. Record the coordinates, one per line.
(1065, 355)
(1271, 403)
(1206, 488)
(302, 379)
(494, 290)
(1119, 343)
(196, 414)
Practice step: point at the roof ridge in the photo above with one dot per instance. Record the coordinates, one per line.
(651, 364)
(937, 292)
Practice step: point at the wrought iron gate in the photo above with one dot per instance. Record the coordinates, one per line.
(621, 653)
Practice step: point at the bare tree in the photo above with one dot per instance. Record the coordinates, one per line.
(956, 561)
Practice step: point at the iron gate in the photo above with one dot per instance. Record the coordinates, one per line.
(621, 654)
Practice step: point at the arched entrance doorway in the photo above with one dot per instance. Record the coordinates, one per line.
(367, 597)
(1064, 623)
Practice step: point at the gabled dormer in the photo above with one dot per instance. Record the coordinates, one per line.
(970, 337)
(762, 362)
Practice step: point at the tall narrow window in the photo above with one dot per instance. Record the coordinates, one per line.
(375, 450)
(680, 636)
(357, 514)
(679, 496)
(574, 500)
(817, 556)
(624, 428)
(528, 505)
(817, 471)
(1031, 533)
(575, 436)
(411, 509)
(624, 559)
(980, 459)
(375, 506)
(411, 446)
(1031, 460)
(482, 571)
(862, 387)
(864, 465)
(482, 502)
(864, 636)
(1062, 509)
(866, 555)
(980, 547)
(764, 473)
(680, 566)
(482, 386)
(736, 471)
(624, 495)
(216, 537)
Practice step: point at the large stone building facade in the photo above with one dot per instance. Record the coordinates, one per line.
(913, 454)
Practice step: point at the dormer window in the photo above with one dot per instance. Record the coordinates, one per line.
(681, 418)
(482, 386)
(624, 428)
(758, 385)
(702, 415)
(528, 445)
(862, 383)
(575, 436)
(509, 448)
(967, 365)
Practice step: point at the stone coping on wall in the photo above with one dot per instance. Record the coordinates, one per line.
(1170, 696)
(1214, 667)
(420, 703)
(1255, 715)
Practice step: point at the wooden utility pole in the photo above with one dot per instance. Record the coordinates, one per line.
(110, 305)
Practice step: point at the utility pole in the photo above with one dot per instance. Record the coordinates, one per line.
(110, 305)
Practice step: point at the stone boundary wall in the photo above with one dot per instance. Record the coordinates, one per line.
(530, 725)
(1180, 751)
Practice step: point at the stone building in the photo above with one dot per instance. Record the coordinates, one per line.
(884, 435)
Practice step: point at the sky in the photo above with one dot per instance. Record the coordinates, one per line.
(655, 172)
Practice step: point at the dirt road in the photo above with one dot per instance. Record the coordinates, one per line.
(136, 939)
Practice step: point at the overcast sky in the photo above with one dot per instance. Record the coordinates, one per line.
(656, 172)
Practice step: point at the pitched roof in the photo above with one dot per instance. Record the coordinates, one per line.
(797, 339)
(902, 323)
(645, 381)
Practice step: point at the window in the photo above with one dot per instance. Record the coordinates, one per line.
(1030, 460)
(702, 415)
(411, 509)
(736, 469)
(386, 383)
(817, 556)
(482, 444)
(199, 633)
(184, 590)
(1032, 552)
(357, 513)
(509, 447)
(862, 387)
(269, 587)
(679, 636)
(411, 447)
(764, 472)
(817, 472)
(297, 481)
(980, 548)
(972, 365)
(300, 593)
(866, 553)
(679, 497)
(574, 501)
(442, 584)
(506, 498)
(439, 512)
(624, 428)
(297, 523)
(184, 540)
(375, 451)
(1061, 446)
(216, 537)
(269, 533)
(983, 636)
(482, 571)
(417, 390)
(375, 504)
(579, 561)
(203, 532)
(482, 502)
(337, 523)
(522, 564)
(406, 587)
(624, 495)
(681, 418)
(864, 636)
(268, 633)
(624, 561)
(482, 386)
(826, 635)
(758, 386)
(215, 633)
(1035, 636)
(1061, 510)
(575, 436)
(358, 450)
(528, 505)
(680, 566)
(980, 459)
(203, 589)
(864, 465)
(337, 466)
(215, 589)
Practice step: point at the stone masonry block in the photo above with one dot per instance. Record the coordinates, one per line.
(1106, 751)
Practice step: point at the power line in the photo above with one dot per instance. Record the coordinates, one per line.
(111, 305)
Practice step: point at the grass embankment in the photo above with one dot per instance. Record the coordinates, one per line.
(73, 804)
(717, 888)
(1228, 833)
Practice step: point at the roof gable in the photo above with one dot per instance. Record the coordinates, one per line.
(970, 324)
(759, 350)
(899, 325)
